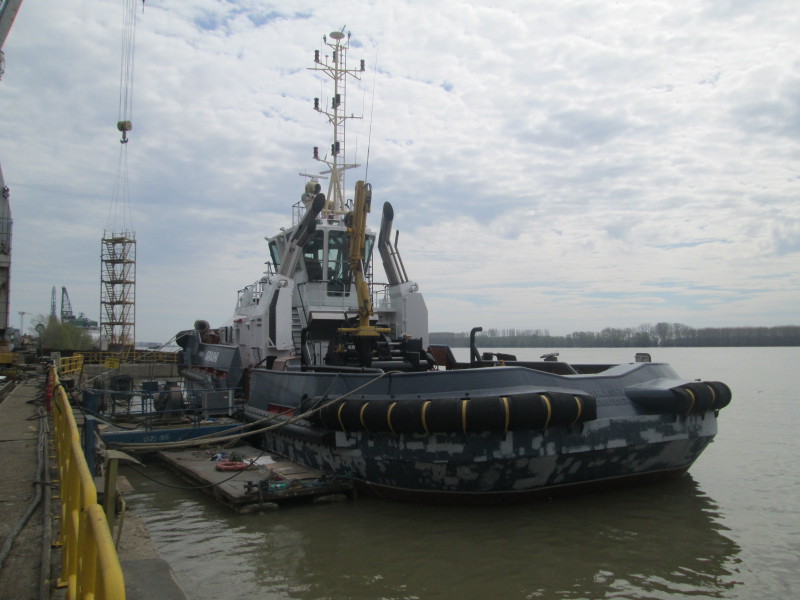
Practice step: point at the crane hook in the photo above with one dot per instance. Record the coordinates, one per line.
(124, 127)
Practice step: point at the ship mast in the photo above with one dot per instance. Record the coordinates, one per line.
(335, 67)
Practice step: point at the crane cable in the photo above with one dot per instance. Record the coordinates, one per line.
(126, 68)
(120, 196)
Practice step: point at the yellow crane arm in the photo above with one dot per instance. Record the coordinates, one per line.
(357, 230)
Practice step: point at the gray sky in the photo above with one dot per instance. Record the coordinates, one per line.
(564, 165)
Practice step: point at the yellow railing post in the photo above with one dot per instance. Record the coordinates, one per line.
(71, 364)
(112, 360)
(89, 564)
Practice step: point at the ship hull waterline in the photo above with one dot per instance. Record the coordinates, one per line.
(529, 478)
(620, 446)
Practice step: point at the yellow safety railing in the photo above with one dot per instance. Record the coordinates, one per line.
(71, 364)
(113, 359)
(89, 566)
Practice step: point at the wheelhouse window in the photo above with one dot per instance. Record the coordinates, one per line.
(326, 258)
(314, 256)
(275, 253)
(338, 264)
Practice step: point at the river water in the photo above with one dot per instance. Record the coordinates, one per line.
(728, 529)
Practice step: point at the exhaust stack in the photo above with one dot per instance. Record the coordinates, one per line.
(300, 236)
(392, 263)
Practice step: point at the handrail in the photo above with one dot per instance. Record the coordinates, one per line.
(130, 356)
(90, 566)
(71, 364)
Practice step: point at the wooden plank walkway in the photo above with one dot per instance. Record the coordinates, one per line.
(272, 480)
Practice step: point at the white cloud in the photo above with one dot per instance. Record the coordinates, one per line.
(564, 166)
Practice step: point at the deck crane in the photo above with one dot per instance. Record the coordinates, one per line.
(364, 335)
(8, 11)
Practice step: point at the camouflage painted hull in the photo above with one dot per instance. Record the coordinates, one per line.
(627, 439)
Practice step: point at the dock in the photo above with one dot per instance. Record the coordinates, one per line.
(26, 572)
(268, 482)
(33, 563)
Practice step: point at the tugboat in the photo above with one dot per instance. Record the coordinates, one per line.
(341, 366)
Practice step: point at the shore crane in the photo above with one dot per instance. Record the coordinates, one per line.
(67, 316)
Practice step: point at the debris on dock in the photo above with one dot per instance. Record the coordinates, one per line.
(245, 479)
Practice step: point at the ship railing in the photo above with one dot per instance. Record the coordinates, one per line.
(331, 215)
(381, 300)
(322, 295)
(158, 404)
(298, 212)
(250, 294)
(314, 295)
(89, 563)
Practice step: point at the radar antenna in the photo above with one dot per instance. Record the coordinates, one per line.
(335, 67)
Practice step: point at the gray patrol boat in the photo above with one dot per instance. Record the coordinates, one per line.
(337, 371)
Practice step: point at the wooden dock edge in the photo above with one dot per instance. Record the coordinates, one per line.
(260, 486)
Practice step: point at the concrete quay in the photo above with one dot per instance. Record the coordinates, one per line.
(31, 566)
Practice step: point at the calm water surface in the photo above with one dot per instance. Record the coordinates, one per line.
(729, 529)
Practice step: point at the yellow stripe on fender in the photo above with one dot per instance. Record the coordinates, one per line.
(691, 393)
(464, 415)
(361, 416)
(580, 409)
(389, 416)
(504, 400)
(425, 406)
(546, 401)
(339, 416)
(713, 394)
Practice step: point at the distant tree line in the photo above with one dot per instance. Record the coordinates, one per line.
(643, 336)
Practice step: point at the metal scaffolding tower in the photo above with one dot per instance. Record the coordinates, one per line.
(118, 291)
